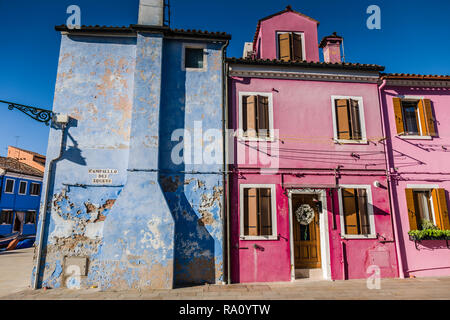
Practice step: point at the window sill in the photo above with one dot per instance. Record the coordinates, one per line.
(359, 237)
(416, 137)
(194, 69)
(337, 141)
(258, 238)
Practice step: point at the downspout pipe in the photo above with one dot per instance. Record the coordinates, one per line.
(45, 208)
(389, 181)
(225, 201)
(2, 176)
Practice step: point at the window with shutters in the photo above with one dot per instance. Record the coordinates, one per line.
(258, 212)
(357, 219)
(291, 46)
(35, 189)
(414, 118)
(9, 186)
(6, 217)
(427, 205)
(255, 116)
(30, 217)
(348, 119)
(23, 187)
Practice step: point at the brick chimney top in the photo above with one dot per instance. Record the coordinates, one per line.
(331, 46)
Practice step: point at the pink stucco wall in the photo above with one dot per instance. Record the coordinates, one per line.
(288, 21)
(419, 162)
(303, 116)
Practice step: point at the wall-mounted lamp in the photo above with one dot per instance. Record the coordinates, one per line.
(2, 172)
(377, 184)
(61, 118)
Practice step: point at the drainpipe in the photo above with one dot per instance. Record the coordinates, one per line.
(2, 176)
(62, 121)
(388, 176)
(225, 198)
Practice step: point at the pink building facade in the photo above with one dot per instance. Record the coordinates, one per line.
(416, 118)
(309, 196)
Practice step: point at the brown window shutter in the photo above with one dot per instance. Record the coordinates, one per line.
(297, 48)
(250, 212)
(411, 209)
(440, 209)
(249, 116)
(263, 116)
(342, 115)
(422, 117)
(284, 45)
(429, 119)
(399, 116)
(355, 120)
(265, 212)
(350, 215)
(364, 221)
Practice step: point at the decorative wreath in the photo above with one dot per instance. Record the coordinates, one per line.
(305, 214)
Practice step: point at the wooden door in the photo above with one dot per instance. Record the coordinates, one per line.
(306, 238)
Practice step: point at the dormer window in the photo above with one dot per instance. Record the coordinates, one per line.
(290, 46)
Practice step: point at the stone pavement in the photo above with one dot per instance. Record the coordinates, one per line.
(391, 289)
(15, 270)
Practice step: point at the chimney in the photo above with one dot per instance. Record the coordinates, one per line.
(248, 50)
(331, 46)
(151, 12)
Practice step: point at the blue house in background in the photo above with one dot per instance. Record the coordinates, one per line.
(20, 196)
(136, 175)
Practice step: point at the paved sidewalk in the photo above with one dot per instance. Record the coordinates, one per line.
(391, 289)
(15, 270)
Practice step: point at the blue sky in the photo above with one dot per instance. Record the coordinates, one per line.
(413, 39)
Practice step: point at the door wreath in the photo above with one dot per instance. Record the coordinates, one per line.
(305, 214)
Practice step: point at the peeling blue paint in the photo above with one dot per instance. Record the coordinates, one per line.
(155, 225)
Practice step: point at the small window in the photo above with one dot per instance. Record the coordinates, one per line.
(257, 212)
(414, 117)
(30, 217)
(356, 216)
(256, 116)
(6, 217)
(35, 189)
(290, 46)
(23, 187)
(427, 206)
(9, 186)
(193, 58)
(348, 119)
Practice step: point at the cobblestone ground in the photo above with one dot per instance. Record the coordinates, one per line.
(15, 274)
(391, 289)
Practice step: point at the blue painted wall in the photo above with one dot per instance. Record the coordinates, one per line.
(18, 202)
(158, 224)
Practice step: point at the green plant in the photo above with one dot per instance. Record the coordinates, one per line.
(427, 225)
(429, 234)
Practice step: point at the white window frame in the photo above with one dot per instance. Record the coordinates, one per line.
(194, 46)
(40, 190)
(241, 136)
(426, 187)
(273, 199)
(26, 188)
(9, 211)
(361, 118)
(35, 216)
(413, 137)
(373, 233)
(6, 184)
(301, 33)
